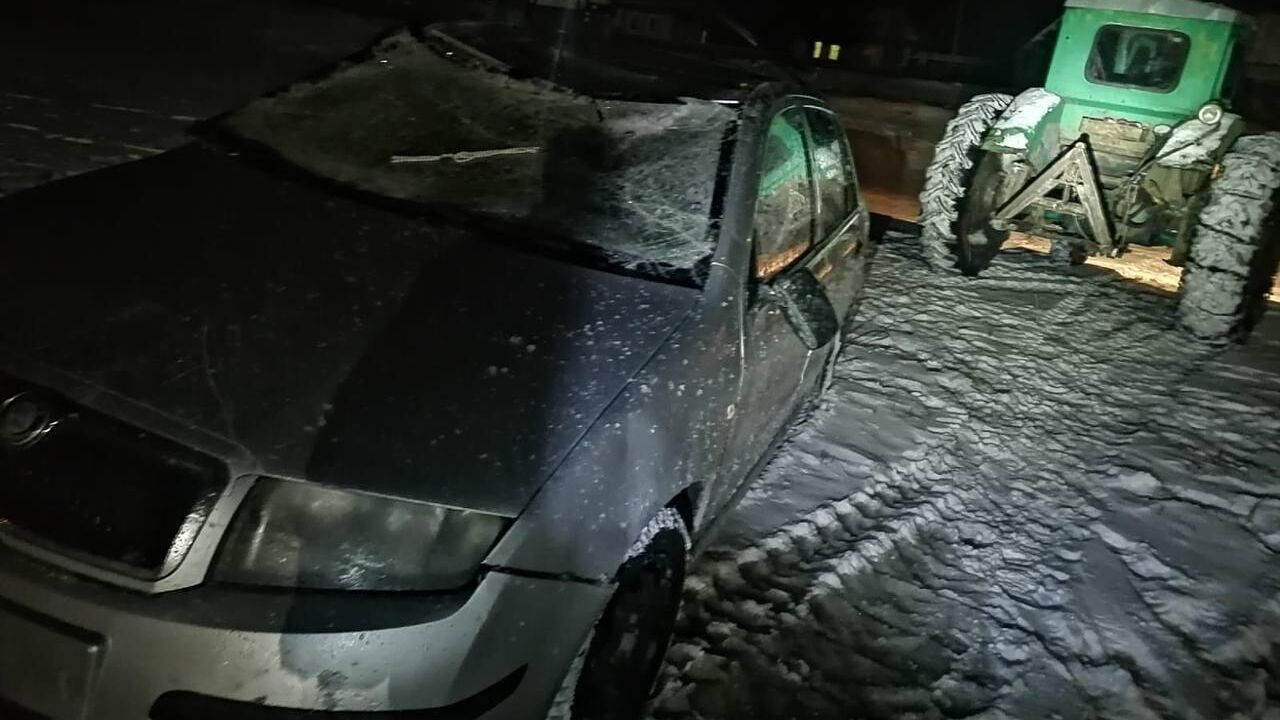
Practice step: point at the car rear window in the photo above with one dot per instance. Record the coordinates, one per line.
(1142, 58)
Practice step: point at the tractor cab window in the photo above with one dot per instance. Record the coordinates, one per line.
(1143, 58)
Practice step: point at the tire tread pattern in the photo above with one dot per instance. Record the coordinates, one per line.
(947, 177)
(1233, 252)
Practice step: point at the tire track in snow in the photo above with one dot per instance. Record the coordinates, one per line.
(983, 569)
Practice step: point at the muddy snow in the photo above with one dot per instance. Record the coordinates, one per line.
(1026, 496)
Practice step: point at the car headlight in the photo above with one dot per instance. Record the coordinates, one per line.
(292, 534)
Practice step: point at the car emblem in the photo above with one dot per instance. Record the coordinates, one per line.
(24, 421)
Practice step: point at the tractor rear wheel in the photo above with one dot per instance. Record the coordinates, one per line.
(1236, 244)
(963, 188)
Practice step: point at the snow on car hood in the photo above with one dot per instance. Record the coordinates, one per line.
(330, 339)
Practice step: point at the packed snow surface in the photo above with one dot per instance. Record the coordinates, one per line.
(1026, 496)
(421, 123)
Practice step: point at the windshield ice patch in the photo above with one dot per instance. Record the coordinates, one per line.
(632, 180)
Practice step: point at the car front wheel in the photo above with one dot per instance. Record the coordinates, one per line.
(613, 675)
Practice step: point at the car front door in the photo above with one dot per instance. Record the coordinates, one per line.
(773, 355)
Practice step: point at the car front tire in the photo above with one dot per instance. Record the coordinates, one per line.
(613, 675)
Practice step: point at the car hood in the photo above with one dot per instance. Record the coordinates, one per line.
(321, 337)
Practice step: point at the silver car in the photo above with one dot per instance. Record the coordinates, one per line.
(407, 391)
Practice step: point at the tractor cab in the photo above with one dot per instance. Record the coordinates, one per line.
(1129, 126)
(1154, 62)
(1130, 141)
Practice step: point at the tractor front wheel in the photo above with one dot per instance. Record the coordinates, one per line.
(977, 242)
(963, 188)
(1236, 244)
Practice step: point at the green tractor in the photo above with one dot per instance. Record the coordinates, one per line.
(1130, 141)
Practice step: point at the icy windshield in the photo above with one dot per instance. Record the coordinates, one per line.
(419, 121)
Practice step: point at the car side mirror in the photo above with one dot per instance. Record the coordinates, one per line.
(806, 306)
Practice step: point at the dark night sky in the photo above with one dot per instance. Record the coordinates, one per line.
(933, 23)
(990, 28)
(994, 28)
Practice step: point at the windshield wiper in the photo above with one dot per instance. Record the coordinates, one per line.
(464, 156)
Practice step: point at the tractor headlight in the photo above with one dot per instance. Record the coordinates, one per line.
(291, 534)
(1211, 114)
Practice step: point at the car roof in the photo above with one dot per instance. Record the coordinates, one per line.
(619, 68)
(1189, 9)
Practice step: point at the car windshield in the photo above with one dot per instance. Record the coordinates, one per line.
(426, 121)
(1142, 58)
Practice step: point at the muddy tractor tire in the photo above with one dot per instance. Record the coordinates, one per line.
(1067, 252)
(962, 190)
(1236, 245)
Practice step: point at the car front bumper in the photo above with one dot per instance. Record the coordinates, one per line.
(75, 649)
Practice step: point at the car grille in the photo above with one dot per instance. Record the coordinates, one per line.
(102, 490)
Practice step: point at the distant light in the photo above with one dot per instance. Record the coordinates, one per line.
(822, 50)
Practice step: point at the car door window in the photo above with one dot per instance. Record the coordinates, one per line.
(833, 166)
(784, 209)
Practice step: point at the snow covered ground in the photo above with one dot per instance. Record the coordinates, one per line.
(1026, 496)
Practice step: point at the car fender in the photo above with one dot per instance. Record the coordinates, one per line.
(665, 433)
(1024, 124)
